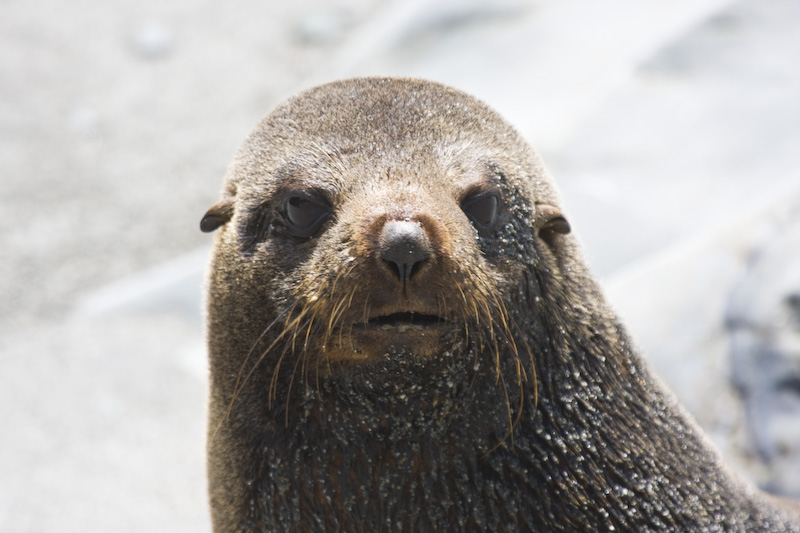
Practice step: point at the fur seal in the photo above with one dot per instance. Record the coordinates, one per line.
(403, 336)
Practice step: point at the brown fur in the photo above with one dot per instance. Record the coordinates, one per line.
(523, 408)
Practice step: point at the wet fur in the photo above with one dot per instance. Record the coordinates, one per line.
(536, 415)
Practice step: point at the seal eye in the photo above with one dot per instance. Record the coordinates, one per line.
(483, 209)
(305, 213)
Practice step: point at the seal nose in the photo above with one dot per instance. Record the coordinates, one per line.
(404, 246)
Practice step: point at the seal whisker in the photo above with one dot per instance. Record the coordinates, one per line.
(504, 317)
(316, 374)
(511, 422)
(273, 386)
(463, 294)
(443, 310)
(289, 388)
(293, 325)
(350, 337)
(239, 383)
(492, 337)
(340, 271)
(284, 313)
(307, 327)
(350, 306)
(308, 310)
(509, 338)
(304, 354)
(335, 314)
(366, 310)
(343, 307)
(477, 321)
(272, 390)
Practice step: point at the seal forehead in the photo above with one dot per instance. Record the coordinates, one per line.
(409, 125)
(390, 108)
(383, 117)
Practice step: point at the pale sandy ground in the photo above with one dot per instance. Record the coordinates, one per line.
(672, 129)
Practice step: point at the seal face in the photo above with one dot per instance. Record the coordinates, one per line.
(402, 335)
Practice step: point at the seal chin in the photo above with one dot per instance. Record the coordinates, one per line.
(408, 333)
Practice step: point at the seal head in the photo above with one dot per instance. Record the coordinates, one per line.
(402, 335)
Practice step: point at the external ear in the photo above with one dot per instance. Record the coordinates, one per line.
(219, 214)
(550, 221)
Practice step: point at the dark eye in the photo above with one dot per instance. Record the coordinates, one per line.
(483, 209)
(305, 213)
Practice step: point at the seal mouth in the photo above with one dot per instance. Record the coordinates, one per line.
(388, 334)
(404, 320)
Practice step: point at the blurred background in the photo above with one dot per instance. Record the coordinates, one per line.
(672, 128)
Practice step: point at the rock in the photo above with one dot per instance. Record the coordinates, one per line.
(764, 322)
(717, 317)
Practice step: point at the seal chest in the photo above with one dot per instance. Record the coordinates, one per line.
(402, 335)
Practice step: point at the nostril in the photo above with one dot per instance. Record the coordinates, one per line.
(404, 245)
(404, 271)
